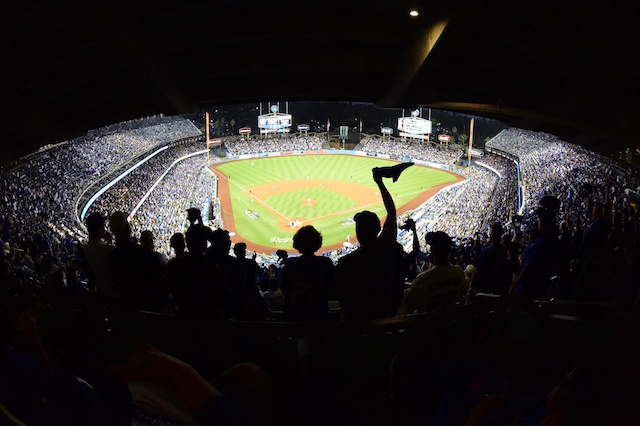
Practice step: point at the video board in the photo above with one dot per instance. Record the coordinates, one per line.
(274, 122)
(414, 126)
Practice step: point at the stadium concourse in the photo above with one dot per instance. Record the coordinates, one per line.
(529, 195)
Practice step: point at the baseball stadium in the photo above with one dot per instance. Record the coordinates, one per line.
(381, 213)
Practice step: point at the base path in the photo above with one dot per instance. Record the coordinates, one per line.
(361, 193)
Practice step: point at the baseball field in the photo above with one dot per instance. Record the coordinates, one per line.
(266, 200)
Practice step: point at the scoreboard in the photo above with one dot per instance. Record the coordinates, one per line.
(413, 127)
(275, 122)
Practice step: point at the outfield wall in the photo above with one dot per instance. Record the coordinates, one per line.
(449, 168)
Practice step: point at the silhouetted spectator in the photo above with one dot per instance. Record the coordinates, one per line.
(439, 287)
(307, 280)
(540, 260)
(595, 237)
(271, 288)
(218, 254)
(147, 241)
(178, 244)
(252, 270)
(96, 254)
(365, 276)
(135, 270)
(199, 287)
(194, 216)
(273, 279)
(491, 273)
(252, 274)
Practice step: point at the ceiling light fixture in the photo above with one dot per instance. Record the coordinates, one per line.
(413, 13)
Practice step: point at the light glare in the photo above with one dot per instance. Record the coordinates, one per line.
(413, 13)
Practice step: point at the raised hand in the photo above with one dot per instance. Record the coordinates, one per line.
(390, 171)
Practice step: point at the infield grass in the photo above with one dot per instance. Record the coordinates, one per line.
(282, 206)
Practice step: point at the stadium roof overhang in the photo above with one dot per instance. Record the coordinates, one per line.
(568, 67)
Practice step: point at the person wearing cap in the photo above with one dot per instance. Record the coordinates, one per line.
(365, 277)
(439, 287)
(540, 260)
(96, 253)
(194, 216)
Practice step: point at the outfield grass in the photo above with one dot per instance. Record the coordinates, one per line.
(250, 173)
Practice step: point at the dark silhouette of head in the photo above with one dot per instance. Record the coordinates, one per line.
(220, 242)
(177, 243)
(240, 250)
(146, 240)
(367, 227)
(194, 216)
(119, 225)
(307, 240)
(496, 232)
(439, 246)
(196, 239)
(546, 212)
(95, 224)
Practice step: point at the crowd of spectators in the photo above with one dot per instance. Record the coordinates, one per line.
(274, 143)
(465, 211)
(418, 150)
(575, 236)
(205, 198)
(39, 193)
(504, 200)
(128, 191)
(163, 212)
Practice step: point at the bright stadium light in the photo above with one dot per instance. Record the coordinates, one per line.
(413, 13)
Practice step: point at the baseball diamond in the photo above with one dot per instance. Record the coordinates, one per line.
(287, 192)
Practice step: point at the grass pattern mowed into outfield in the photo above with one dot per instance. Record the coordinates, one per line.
(310, 203)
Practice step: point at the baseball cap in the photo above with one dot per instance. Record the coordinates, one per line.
(194, 214)
(548, 205)
(439, 241)
(367, 222)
